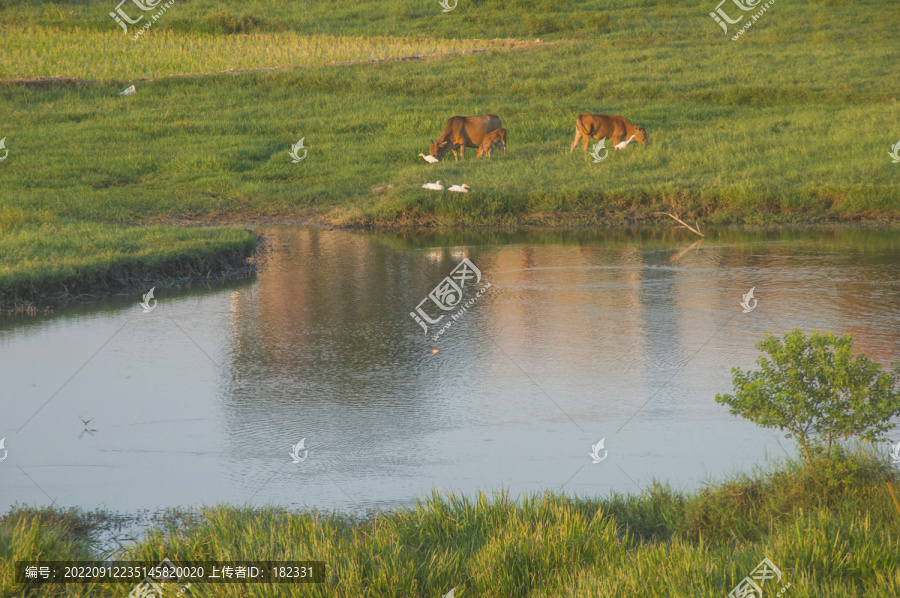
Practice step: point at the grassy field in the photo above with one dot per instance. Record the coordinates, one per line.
(791, 123)
(832, 530)
(85, 259)
(110, 56)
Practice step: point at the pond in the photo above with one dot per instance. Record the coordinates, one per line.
(557, 340)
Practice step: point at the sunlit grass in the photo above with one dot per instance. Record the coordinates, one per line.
(110, 55)
(48, 256)
(790, 124)
(832, 531)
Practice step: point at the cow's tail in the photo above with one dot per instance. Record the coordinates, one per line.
(580, 127)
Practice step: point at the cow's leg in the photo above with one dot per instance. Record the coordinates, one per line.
(577, 136)
(462, 150)
(584, 141)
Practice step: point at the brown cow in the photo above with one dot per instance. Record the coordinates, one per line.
(599, 126)
(462, 132)
(493, 138)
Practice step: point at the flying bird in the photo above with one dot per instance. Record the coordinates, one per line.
(624, 144)
(459, 188)
(86, 429)
(433, 186)
(429, 158)
(436, 351)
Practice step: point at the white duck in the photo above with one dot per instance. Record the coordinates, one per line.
(624, 144)
(429, 158)
(459, 188)
(433, 186)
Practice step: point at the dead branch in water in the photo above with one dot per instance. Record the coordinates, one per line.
(683, 224)
(681, 253)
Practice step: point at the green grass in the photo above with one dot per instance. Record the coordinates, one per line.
(790, 124)
(111, 56)
(88, 247)
(470, 18)
(84, 257)
(833, 531)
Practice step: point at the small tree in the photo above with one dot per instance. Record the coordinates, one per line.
(816, 390)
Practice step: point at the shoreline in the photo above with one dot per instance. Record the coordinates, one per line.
(35, 298)
(32, 298)
(545, 543)
(550, 221)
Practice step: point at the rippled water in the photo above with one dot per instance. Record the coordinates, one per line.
(622, 335)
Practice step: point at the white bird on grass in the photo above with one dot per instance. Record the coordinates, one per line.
(624, 144)
(429, 158)
(433, 186)
(459, 188)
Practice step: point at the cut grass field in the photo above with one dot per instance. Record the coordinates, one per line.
(792, 123)
(832, 530)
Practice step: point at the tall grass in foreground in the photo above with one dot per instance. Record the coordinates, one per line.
(832, 530)
(110, 55)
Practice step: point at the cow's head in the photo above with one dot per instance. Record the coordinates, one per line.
(641, 136)
(439, 149)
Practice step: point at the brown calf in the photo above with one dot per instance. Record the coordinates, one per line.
(493, 138)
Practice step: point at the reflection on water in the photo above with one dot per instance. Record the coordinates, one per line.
(622, 335)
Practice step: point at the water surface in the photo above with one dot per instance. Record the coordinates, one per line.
(622, 335)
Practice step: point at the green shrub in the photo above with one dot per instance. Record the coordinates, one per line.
(816, 390)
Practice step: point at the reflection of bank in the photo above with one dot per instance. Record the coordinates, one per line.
(463, 310)
(448, 294)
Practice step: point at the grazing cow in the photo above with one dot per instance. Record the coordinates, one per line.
(493, 138)
(462, 132)
(599, 126)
